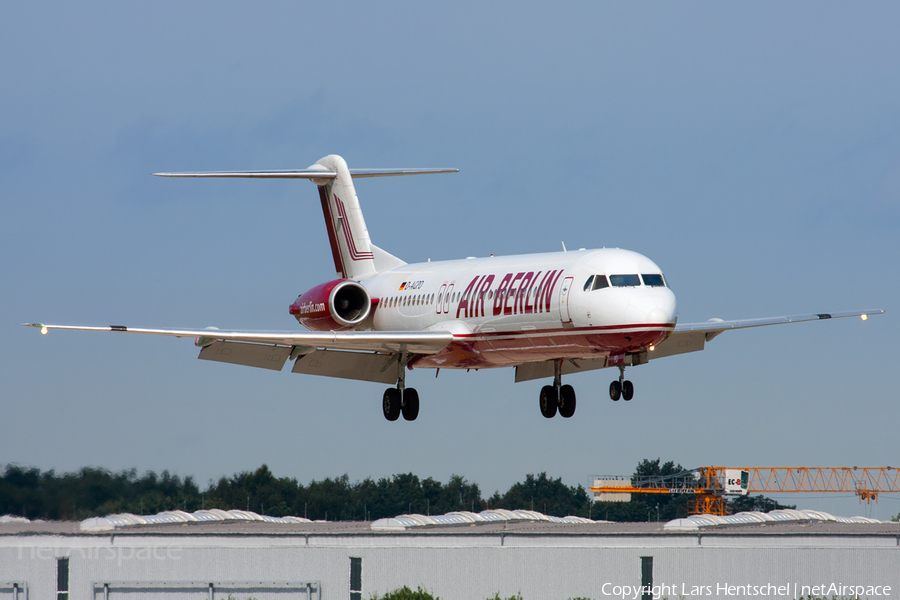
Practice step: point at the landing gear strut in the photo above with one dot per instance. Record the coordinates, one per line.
(621, 387)
(401, 399)
(557, 396)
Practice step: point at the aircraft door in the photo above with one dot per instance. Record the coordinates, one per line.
(447, 295)
(564, 300)
(439, 305)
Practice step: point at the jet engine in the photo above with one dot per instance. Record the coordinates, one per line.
(337, 305)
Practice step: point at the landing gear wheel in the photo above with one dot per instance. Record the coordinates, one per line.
(627, 390)
(410, 404)
(615, 391)
(549, 401)
(566, 401)
(390, 404)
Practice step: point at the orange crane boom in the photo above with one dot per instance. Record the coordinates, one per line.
(709, 485)
(865, 482)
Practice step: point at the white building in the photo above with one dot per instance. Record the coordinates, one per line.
(214, 554)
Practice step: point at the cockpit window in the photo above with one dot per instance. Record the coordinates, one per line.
(625, 280)
(600, 282)
(654, 280)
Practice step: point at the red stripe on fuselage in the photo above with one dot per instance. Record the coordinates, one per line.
(510, 348)
(571, 330)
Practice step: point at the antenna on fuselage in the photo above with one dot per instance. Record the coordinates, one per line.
(564, 247)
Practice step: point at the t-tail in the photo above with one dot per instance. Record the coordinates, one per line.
(354, 254)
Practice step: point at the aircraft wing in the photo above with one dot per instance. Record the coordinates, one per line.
(691, 337)
(413, 342)
(686, 337)
(362, 355)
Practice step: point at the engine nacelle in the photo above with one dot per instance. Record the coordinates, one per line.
(333, 306)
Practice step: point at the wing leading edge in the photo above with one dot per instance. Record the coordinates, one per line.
(687, 337)
(692, 337)
(421, 342)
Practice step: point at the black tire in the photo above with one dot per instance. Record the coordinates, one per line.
(627, 390)
(615, 391)
(566, 401)
(410, 404)
(549, 401)
(390, 404)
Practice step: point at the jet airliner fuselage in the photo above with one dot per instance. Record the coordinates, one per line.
(505, 311)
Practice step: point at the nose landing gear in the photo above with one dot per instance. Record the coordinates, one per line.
(621, 387)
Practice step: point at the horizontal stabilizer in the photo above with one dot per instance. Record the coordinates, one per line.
(309, 173)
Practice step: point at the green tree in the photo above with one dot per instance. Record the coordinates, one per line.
(759, 503)
(545, 495)
(405, 593)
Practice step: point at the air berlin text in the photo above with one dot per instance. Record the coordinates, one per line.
(516, 294)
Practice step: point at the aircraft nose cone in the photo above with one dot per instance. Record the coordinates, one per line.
(656, 307)
(657, 315)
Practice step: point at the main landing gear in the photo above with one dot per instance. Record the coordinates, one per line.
(621, 388)
(396, 402)
(401, 399)
(561, 398)
(557, 397)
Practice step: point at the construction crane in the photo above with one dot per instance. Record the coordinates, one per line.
(709, 486)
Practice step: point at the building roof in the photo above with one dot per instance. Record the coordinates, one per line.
(244, 523)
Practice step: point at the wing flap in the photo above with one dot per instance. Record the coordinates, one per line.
(545, 369)
(361, 366)
(261, 356)
(680, 342)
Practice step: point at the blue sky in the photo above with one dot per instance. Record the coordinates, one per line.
(752, 151)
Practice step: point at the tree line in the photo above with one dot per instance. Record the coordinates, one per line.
(89, 492)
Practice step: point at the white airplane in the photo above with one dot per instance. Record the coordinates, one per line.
(547, 315)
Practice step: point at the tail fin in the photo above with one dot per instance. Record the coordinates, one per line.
(354, 254)
(351, 247)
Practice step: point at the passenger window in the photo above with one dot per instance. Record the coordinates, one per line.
(654, 280)
(625, 280)
(600, 282)
(587, 284)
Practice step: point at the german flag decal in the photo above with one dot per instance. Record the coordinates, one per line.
(402, 285)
